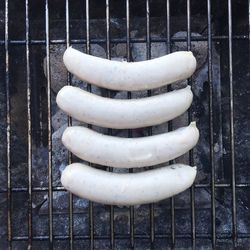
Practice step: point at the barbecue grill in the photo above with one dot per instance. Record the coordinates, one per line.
(36, 212)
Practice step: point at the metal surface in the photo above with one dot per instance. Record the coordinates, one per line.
(131, 209)
(29, 132)
(8, 128)
(108, 56)
(50, 191)
(91, 211)
(170, 123)
(232, 120)
(152, 236)
(211, 122)
(191, 157)
(148, 56)
(71, 224)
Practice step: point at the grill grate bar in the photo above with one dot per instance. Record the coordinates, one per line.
(91, 209)
(234, 219)
(137, 236)
(131, 209)
(60, 188)
(50, 191)
(29, 132)
(8, 125)
(248, 22)
(148, 55)
(172, 200)
(69, 82)
(210, 82)
(191, 157)
(108, 54)
(121, 40)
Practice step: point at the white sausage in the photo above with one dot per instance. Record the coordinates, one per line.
(129, 152)
(130, 76)
(130, 188)
(121, 114)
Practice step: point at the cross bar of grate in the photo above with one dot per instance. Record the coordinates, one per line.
(122, 40)
(136, 236)
(60, 188)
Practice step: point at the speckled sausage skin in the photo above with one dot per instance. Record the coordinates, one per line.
(123, 114)
(129, 152)
(127, 188)
(130, 76)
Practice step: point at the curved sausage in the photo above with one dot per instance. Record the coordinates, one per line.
(130, 76)
(129, 152)
(122, 114)
(129, 188)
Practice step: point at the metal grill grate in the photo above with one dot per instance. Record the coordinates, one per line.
(164, 240)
